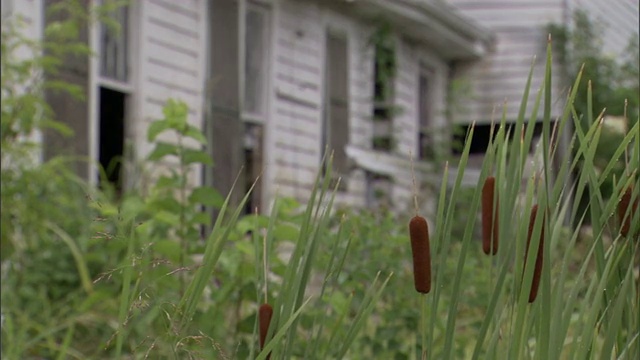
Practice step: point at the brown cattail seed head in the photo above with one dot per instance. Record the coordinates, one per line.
(626, 211)
(489, 217)
(419, 233)
(264, 319)
(537, 271)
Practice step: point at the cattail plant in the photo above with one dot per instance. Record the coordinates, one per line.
(419, 233)
(420, 249)
(489, 217)
(535, 282)
(626, 210)
(264, 319)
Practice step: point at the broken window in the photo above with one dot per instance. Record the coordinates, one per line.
(256, 62)
(335, 130)
(114, 46)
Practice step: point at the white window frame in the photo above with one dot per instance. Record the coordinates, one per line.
(97, 81)
(267, 11)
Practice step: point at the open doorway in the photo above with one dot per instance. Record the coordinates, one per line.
(112, 135)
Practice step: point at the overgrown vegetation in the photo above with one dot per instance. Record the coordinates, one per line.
(88, 276)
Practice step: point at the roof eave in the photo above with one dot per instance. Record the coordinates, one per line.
(458, 37)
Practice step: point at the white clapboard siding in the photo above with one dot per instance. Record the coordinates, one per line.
(405, 124)
(618, 17)
(500, 78)
(171, 64)
(361, 86)
(296, 114)
(411, 58)
(293, 148)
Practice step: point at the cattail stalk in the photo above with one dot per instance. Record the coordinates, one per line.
(489, 217)
(264, 319)
(419, 233)
(535, 282)
(626, 211)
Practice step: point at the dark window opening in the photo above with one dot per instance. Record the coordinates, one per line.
(111, 137)
(482, 134)
(383, 94)
(249, 206)
(479, 142)
(252, 166)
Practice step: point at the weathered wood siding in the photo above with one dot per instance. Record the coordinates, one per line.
(406, 122)
(619, 19)
(360, 60)
(294, 148)
(411, 59)
(171, 64)
(519, 26)
(500, 78)
(293, 129)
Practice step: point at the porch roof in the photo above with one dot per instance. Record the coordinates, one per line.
(434, 23)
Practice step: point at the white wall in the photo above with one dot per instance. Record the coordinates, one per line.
(618, 17)
(293, 148)
(500, 78)
(171, 63)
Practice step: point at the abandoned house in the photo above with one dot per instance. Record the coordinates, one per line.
(272, 82)
(520, 29)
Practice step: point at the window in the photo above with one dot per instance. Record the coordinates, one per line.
(113, 88)
(335, 131)
(383, 95)
(114, 47)
(425, 113)
(255, 65)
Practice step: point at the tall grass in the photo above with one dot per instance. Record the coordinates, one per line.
(327, 273)
(590, 311)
